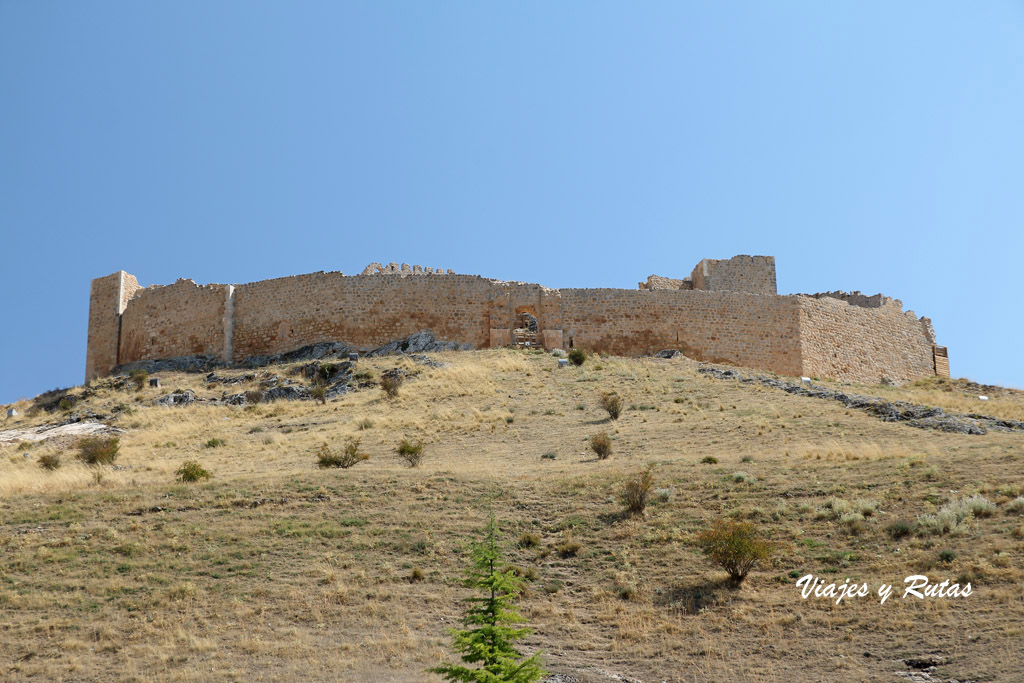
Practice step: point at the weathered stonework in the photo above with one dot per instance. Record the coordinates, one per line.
(726, 311)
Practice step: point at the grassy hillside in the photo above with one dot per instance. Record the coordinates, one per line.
(277, 570)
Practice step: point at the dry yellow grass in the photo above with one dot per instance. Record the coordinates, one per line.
(278, 570)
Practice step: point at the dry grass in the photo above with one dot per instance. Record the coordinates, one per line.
(279, 570)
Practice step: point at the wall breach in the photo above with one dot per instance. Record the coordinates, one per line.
(726, 311)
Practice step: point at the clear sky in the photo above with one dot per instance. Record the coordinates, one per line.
(873, 146)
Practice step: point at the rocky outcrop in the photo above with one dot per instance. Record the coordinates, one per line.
(923, 417)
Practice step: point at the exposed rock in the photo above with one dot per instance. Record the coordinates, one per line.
(182, 398)
(669, 353)
(214, 378)
(199, 363)
(52, 431)
(924, 417)
(925, 662)
(421, 359)
(418, 342)
(327, 372)
(311, 352)
(289, 393)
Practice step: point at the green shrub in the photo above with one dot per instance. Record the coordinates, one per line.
(214, 442)
(901, 528)
(550, 455)
(391, 383)
(953, 517)
(980, 506)
(529, 540)
(98, 450)
(601, 444)
(192, 471)
(709, 460)
(50, 461)
(349, 456)
(363, 425)
(947, 556)
(1014, 507)
(637, 491)
(411, 452)
(24, 446)
(611, 403)
(577, 357)
(735, 547)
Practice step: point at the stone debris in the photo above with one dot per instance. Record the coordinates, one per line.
(51, 431)
(421, 359)
(923, 417)
(669, 353)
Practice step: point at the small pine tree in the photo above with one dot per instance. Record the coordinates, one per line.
(490, 634)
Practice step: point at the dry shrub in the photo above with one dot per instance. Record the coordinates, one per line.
(391, 383)
(98, 450)
(602, 445)
(735, 547)
(50, 461)
(637, 491)
(139, 377)
(611, 403)
(349, 456)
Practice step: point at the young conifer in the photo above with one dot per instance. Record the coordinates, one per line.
(490, 621)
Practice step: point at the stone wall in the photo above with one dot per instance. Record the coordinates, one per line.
(279, 315)
(750, 274)
(852, 339)
(729, 327)
(847, 336)
(108, 298)
(182, 319)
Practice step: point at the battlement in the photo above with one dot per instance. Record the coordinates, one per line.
(724, 311)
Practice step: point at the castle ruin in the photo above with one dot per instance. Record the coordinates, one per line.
(725, 311)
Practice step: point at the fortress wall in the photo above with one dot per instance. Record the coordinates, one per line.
(730, 327)
(860, 342)
(845, 336)
(108, 297)
(279, 315)
(174, 320)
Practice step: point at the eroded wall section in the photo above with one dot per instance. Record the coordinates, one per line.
(863, 339)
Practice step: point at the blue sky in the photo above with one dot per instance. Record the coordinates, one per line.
(875, 146)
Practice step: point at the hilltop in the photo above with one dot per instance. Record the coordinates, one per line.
(275, 569)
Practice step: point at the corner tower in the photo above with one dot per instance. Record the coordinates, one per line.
(108, 297)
